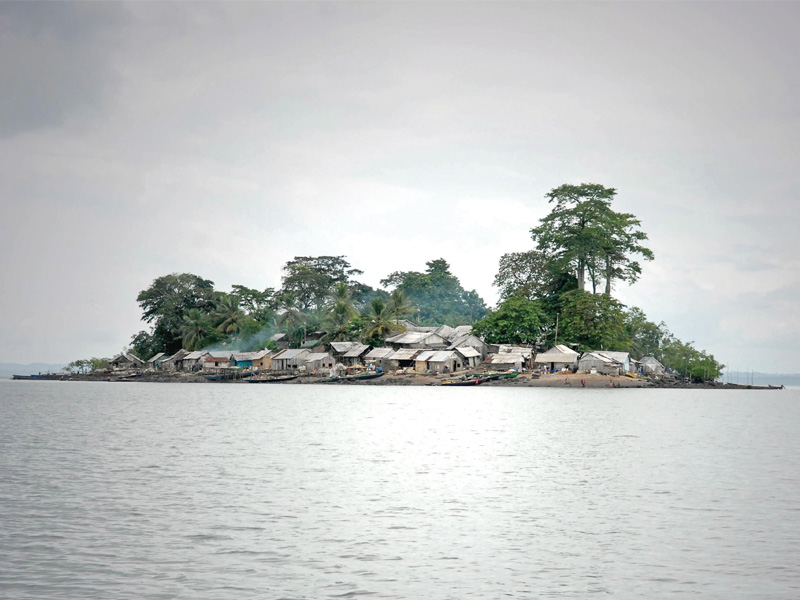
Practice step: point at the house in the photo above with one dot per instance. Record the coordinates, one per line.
(505, 361)
(439, 361)
(171, 363)
(650, 365)
(194, 361)
(557, 358)
(318, 361)
(126, 360)
(291, 358)
(155, 362)
(470, 357)
(281, 340)
(463, 340)
(623, 358)
(600, 363)
(263, 359)
(339, 349)
(217, 360)
(418, 340)
(356, 354)
(247, 359)
(376, 357)
(401, 359)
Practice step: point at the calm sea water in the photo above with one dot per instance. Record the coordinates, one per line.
(292, 492)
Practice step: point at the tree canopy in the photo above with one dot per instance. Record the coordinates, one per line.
(583, 234)
(438, 295)
(516, 321)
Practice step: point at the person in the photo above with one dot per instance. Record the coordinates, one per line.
(583, 382)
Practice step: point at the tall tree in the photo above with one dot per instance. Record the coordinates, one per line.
(196, 330)
(310, 278)
(379, 323)
(339, 313)
(166, 302)
(583, 234)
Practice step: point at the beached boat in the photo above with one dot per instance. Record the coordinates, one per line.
(274, 379)
(362, 377)
(465, 382)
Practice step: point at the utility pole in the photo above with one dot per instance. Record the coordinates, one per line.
(556, 344)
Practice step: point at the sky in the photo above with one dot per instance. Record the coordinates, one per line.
(223, 139)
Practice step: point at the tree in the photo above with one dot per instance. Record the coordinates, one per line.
(227, 315)
(166, 302)
(530, 274)
(399, 305)
(689, 362)
(292, 319)
(438, 294)
(645, 337)
(197, 331)
(378, 323)
(516, 321)
(582, 233)
(310, 278)
(145, 345)
(592, 322)
(339, 313)
(259, 305)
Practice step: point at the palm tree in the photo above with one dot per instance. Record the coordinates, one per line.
(399, 305)
(291, 318)
(195, 329)
(380, 321)
(228, 315)
(339, 313)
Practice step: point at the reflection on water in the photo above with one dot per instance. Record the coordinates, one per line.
(200, 491)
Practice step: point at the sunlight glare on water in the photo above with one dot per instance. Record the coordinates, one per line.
(297, 491)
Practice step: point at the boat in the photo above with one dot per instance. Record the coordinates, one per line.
(465, 382)
(39, 377)
(278, 379)
(346, 378)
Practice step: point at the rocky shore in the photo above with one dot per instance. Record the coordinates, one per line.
(572, 380)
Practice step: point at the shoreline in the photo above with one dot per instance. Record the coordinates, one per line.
(572, 380)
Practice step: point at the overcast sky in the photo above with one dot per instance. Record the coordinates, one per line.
(142, 139)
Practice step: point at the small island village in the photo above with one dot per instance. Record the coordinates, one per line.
(423, 328)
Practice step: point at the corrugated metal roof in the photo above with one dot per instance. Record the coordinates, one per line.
(356, 351)
(650, 360)
(442, 356)
(195, 355)
(404, 354)
(559, 354)
(425, 356)
(318, 356)
(505, 358)
(377, 353)
(620, 357)
(291, 353)
(597, 356)
(342, 347)
(417, 337)
(468, 352)
(156, 357)
(278, 337)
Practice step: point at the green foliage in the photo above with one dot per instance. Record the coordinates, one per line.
(517, 320)
(592, 322)
(687, 361)
(309, 279)
(582, 233)
(166, 302)
(645, 337)
(145, 345)
(197, 330)
(438, 294)
(378, 324)
(78, 366)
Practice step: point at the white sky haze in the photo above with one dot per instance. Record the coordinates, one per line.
(223, 139)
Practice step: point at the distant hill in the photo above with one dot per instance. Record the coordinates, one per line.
(9, 369)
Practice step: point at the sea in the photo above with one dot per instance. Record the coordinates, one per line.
(290, 492)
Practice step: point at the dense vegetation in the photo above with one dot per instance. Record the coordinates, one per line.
(318, 293)
(543, 297)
